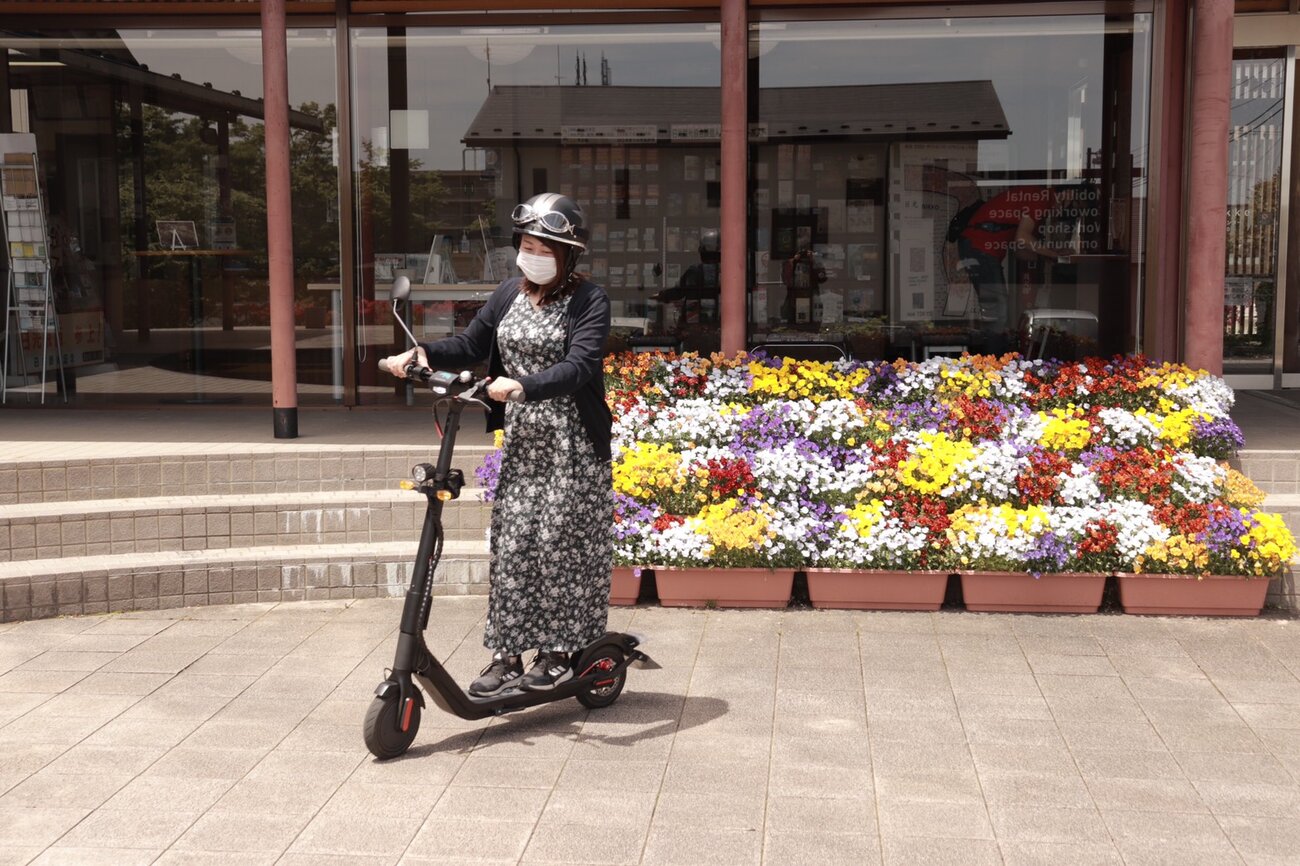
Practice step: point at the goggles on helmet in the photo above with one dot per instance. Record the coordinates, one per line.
(552, 221)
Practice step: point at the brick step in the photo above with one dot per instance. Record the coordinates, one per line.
(288, 469)
(148, 581)
(52, 530)
(1272, 471)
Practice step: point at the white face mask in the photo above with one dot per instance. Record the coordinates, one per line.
(540, 270)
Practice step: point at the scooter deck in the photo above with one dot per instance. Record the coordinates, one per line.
(450, 697)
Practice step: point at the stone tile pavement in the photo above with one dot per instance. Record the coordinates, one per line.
(232, 734)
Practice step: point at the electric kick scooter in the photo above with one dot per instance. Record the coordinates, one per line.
(391, 723)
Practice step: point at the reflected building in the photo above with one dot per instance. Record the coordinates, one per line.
(869, 140)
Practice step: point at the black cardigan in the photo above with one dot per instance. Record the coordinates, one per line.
(581, 373)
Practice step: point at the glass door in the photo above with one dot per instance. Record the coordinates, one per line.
(1256, 229)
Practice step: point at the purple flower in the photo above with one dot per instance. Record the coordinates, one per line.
(763, 429)
(489, 473)
(1224, 530)
(630, 516)
(1047, 553)
(1219, 438)
(928, 414)
(1093, 456)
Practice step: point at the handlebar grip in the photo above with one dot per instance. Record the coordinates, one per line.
(414, 370)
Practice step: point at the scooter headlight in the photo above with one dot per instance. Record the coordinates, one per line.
(421, 473)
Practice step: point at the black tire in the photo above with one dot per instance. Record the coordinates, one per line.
(380, 729)
(597, 697)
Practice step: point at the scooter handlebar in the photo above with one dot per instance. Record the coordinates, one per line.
(416, 370)
(460, 385)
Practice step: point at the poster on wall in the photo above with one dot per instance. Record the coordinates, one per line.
(929, 181)
(916, 267)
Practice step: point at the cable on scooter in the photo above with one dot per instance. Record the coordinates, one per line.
(437, 422)
(435, 556)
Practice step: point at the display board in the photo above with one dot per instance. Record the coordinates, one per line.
(32, 323)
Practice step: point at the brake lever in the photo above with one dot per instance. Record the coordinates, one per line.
(471, 395)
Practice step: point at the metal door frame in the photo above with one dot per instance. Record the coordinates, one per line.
(1250, 35)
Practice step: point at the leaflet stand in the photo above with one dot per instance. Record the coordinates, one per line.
(29, 303)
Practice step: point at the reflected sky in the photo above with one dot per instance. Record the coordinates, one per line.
(1048, 72)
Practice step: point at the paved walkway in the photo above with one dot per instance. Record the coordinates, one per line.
(72, 434)
(232, 734)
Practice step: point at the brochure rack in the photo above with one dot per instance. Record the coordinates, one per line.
(29, 302)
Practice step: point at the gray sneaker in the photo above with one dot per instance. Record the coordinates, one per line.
(504, 672)
(548, 671)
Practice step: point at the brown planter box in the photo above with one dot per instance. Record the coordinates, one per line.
(1188, 595)
(1020, 592)
(876, 589)
(725, 587)
(624, 584)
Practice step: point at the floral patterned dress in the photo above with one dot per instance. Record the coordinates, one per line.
(551, 540)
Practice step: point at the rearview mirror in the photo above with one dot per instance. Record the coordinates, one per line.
(401, 288)
(401, 291)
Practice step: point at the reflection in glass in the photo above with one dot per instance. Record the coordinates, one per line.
(456, 126)
(933, 187)
(153, 155)
(1254, 204)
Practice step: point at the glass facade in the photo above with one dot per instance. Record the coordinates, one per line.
(916, 187)
(940, 186)
(152, 160)
(454, 127)
(1254, 210)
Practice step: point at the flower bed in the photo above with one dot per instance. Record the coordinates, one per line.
(969, 464)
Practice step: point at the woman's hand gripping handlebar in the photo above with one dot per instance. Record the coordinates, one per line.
(413, 364)
(462, 385)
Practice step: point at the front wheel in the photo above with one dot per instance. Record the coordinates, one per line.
(605, 690)
(382, 730)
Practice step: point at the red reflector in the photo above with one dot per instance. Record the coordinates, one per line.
(603, 683)
(406, 714)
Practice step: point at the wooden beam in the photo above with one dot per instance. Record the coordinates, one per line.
(126, 8)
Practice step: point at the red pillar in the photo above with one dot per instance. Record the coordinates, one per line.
(1162, 312)
(1207, 193)
(279, 226)
(735, 155)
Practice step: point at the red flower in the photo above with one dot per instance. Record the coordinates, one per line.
(664, 521)
(978, 419)
(1100, 538)
(1037, 483)
(729, 476)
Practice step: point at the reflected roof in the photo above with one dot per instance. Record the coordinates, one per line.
(937, 110)
(114, 63)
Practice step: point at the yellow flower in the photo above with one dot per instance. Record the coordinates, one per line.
(1065, 430)
(934, 462)
(1238, 490)
(813, 380)
(1177, 428)
(863, 518)
(1271, 545)
(1181, 554)
(726, 525)
(647, 465)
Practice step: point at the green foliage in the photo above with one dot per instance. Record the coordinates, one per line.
(426, 193)
(181, 182)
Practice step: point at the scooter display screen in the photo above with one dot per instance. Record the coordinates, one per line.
(442, 381)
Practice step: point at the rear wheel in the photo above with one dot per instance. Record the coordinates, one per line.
(382, 731)
(605, 690)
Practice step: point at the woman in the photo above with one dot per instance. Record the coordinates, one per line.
(543, 336)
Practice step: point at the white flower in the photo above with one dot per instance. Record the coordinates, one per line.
(1198, 478)
(1208, 394)
(1124, 429)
